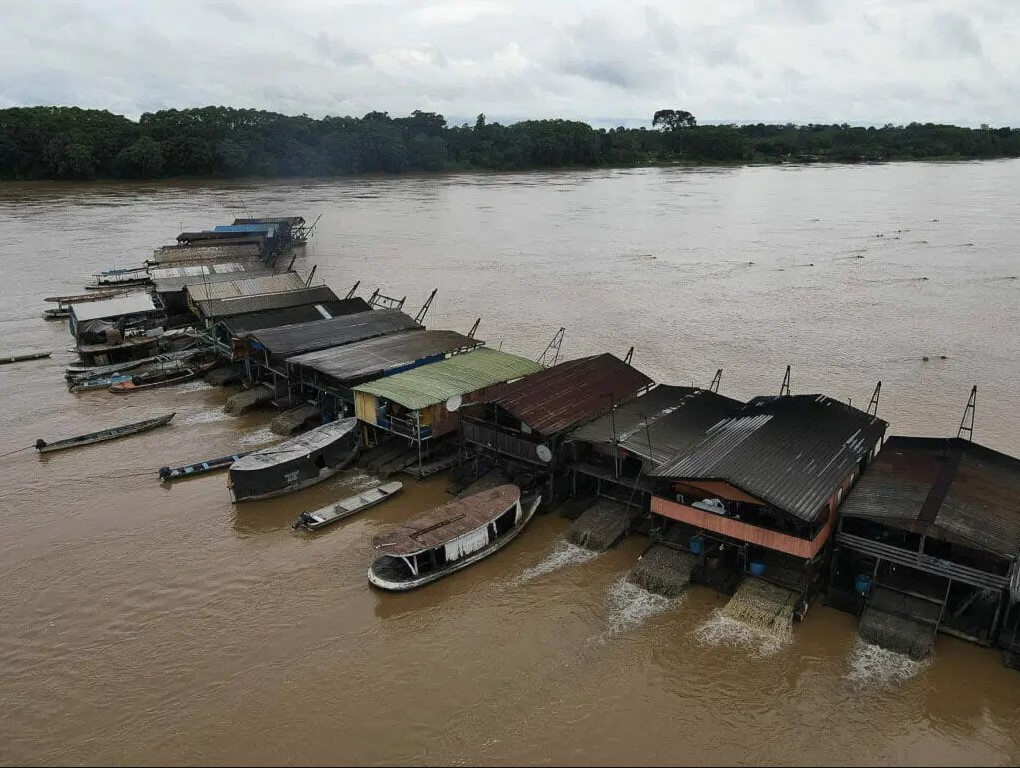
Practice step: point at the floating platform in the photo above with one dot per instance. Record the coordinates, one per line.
(292, 420)
(244, 401)
(602, 525)
(663, 570)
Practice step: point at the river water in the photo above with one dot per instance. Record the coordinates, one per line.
(149, 624)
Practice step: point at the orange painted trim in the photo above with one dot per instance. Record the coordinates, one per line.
(719, 488)
(736, 529)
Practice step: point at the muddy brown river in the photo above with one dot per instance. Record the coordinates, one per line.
(151, 624)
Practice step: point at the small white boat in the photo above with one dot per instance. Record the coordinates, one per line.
(450, 537)
(320, 518)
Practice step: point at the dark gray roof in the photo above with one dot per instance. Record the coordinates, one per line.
(241, 305)
(287, 340)
(791, 452)
(948, 489)
(238, 325)
(660, 424)
(375, 357)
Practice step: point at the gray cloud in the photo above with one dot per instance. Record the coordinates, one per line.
(610, 62)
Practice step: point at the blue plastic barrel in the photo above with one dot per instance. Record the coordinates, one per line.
(695, 545)
(862, 584)
(757, 569)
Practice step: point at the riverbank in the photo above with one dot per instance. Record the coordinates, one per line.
(68, 143)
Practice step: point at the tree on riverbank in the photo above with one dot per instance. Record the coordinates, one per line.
(73, 143)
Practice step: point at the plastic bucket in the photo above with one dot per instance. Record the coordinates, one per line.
(862, 584)
(696, 545)
(757, 569)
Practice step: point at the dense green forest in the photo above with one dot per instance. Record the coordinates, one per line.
(72, 143)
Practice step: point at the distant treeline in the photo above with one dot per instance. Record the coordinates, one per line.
(72, 143)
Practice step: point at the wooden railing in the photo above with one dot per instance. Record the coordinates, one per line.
(495, 439)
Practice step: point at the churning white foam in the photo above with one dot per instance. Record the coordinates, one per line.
(562, 554)
(722, 630)
(259, 437)
(630, 606)
(874, 666)
(206, 417)
(192, 386)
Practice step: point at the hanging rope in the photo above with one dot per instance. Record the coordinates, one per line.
(19, 450)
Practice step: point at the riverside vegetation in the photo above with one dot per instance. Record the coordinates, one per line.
(74, 143)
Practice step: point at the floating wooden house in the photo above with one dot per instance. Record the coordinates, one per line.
(525, 426)
(90, 321)
(234, 327)
(170, 255)
(613, 455)
(213, 310)
(329, 375)
(415, 404)
(170, 283)
(760, 493)
(928, 542)
(242, 287)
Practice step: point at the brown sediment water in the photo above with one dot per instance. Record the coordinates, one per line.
(153, 624)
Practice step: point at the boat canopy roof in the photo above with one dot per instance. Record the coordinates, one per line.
(443, 524)
(297, 447)
(127, 304)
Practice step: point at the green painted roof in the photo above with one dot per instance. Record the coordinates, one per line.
(458, 375)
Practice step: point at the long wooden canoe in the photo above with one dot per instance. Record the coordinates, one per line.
(20, 357)
(104, 434)
(320, 518)
(199, 467)
(94, 296)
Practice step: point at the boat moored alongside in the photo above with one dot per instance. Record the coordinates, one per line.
(104, 434)
(320, 518)
(199, 467)
(450, 537)
(298, 463)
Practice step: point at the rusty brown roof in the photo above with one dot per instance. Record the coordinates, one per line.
(445, 523)
(572, 393)
(949, 489)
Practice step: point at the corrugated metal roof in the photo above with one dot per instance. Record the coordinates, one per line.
(375, 357)
(268, 229)
(245, 286)
(217, 308)
(128, 304)
(661, 423)
(572, 393)
(176, 279)
(457, 375)
(295, 339)
(791, 452)
(172, 254)
(188, 237)
(981, 506)
(241, 324)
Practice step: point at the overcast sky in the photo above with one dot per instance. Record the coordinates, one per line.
(609, 63)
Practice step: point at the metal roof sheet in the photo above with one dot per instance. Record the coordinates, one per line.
(189, 237)
(127, 304)
(573, 392)
(792, 452)
(660, 423)
(375, 357)
(242, 305)
(171, 254)
(268, 229)
(289, 221)
(245, 286)
(295, 339)
(981, 502)
(458, 375)
(175, 279)
(445, 523)
(306, 313)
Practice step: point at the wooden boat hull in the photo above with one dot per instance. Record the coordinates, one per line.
(295, 464)
(127, 387)
(320, 518)
(103, 435)
(324, 474)
(199, 467)
(6, 359)
(102, 382)
(380, 580)
(55, 314)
